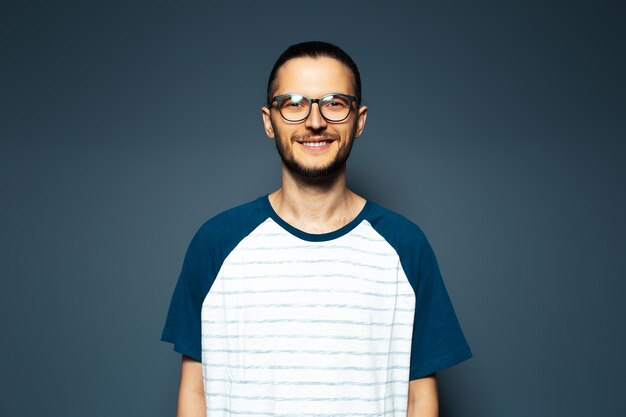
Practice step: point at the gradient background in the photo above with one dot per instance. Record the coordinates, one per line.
(498, 128)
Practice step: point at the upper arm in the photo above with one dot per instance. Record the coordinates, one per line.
(423, 399)
(191, 401)
(191, 376)
(423, 386)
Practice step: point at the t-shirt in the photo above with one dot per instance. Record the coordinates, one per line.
(289, 323)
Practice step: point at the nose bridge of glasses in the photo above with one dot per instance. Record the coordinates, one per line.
(318, 115)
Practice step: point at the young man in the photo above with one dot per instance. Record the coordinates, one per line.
(312, 300)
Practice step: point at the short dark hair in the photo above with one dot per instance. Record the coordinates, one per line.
(314, 49)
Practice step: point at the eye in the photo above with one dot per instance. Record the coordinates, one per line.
(335, 102)
(294, 101)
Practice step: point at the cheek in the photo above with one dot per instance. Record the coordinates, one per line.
(348, 132)
(285, 132)
(282, 135)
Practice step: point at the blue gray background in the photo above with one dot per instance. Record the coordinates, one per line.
(498, 127)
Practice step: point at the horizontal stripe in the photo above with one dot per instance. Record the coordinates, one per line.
(323, 383)
(314, 261)
(327, 399)
(307, 352)
(268, 234)
(401, 411)
(355, 323)
(363, 237)
(295, 276)
(311, 290)
(306, 367)
(305, 336)
(345, 306)
(309, 247)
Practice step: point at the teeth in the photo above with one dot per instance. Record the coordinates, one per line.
(317, 144)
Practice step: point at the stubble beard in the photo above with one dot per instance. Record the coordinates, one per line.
(317, 175)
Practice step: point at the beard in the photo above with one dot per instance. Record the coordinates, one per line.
(314, 174)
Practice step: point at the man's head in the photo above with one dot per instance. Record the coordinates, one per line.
(314, 70)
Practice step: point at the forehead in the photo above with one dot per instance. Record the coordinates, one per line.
(314, 77)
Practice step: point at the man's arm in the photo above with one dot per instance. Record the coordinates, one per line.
(191, 392)
(423, 401)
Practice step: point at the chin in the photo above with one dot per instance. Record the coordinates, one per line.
(325, 171)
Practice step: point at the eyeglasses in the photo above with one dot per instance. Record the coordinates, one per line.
(334, 107)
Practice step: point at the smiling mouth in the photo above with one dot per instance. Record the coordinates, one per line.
(316, 144)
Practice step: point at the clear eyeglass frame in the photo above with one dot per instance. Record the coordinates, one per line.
(278, 99)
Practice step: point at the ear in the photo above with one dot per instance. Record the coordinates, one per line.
(267, 122)
(360, 121)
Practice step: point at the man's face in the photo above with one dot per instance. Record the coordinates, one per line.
(314, 78)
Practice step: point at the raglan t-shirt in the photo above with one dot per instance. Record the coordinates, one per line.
(289, 323)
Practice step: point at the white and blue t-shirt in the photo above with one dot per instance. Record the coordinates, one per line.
(288, 323)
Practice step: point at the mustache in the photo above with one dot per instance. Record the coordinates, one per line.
(324, 136)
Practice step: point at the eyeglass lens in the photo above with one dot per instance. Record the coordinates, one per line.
(296, 107)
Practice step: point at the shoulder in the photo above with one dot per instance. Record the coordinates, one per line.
(399, 231)
(231, 224)
(408, 240)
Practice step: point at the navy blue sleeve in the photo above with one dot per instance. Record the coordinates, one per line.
(183, 323)
(438, 341)
(203, 260)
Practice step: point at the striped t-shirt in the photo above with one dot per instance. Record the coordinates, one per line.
(289, 323)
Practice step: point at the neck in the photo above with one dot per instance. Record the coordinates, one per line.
(316, 205)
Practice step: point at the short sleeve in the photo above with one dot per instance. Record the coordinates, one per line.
(438, 341)
(183, 322)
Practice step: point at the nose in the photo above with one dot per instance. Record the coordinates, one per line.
(315, 120)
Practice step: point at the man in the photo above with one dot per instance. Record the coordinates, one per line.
(312, 300)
